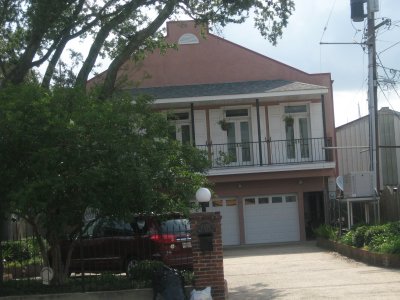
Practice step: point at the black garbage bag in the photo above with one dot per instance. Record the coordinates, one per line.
(168, 284)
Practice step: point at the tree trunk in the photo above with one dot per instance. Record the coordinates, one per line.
(53, 63)
(134, 44)
(42, 246)
(60, 275)
(101, 36)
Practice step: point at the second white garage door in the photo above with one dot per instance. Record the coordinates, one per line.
(271, 219)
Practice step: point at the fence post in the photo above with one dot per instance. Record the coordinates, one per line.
(207, 250)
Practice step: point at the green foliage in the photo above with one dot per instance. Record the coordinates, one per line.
(378, 238)
(326, 231)
(63, 151)
(390, 245)
(103, 282)
(36, 32)
(372, 233)
(358, 236)
(347, 238)
(144, 270)
(21, 250)
(224, 158)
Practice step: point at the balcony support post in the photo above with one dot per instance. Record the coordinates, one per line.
(192, 119)
(259, 132)
(328, 152)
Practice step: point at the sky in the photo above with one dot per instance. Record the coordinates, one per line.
(328, 21)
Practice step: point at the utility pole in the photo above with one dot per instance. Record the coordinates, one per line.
(357, 15)
(372, 91)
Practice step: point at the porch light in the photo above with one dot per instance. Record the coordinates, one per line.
(203, 195)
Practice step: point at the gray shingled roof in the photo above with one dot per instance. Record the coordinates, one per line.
(232, 88)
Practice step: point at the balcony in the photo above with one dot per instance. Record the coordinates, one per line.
(268, 153)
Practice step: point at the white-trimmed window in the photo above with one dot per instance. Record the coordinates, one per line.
(188, 39)
(238, 134)
(272, 199)
(183, 126)
(298, 132)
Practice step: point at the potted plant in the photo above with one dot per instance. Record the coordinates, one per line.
(288, 119)
(224, 124)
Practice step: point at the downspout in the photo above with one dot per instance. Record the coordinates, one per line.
(192, 120)
(259, 131)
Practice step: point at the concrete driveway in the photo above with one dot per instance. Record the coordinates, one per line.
(304, 271)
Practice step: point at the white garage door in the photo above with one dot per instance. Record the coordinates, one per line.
(271, 219)
(228, 209)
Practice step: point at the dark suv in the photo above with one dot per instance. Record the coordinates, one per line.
(116, 246)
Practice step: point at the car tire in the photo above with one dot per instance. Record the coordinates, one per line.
(130, 264)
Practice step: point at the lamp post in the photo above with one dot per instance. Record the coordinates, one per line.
(203, 195)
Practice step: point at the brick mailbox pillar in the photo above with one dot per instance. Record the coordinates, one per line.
(208, 266)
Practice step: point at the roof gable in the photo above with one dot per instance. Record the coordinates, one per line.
(212, 60)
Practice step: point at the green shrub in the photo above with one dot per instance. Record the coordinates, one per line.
(377, 241)
(372, 233)
(378, 238)
(359, 236)
(326, 231)
(21, 250)
(143, 270)
(347, 238)
(393, 228)
(142, 273)
(390, 246)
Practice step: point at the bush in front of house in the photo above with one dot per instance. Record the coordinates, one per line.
(347, 238)
(326, 231)
(358, 238)
(20, 250)
(142, 273)
(383, 238)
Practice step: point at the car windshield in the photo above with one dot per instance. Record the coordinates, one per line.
(107, 227)
(175, 226)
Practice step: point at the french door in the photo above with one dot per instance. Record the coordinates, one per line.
(298, 141)
(239, 146)
(183, 133)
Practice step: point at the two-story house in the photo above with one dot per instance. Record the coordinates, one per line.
(263, 124)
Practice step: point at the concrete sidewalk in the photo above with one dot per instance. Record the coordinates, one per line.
(304, 271)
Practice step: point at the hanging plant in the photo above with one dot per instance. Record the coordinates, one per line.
(288, 119)
(224, 124)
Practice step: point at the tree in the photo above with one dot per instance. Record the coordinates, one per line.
(64, 151)
(34, 32)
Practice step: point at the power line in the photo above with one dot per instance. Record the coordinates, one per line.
(327, 21)
(384, 95)
(392, 84)
(389, 47)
